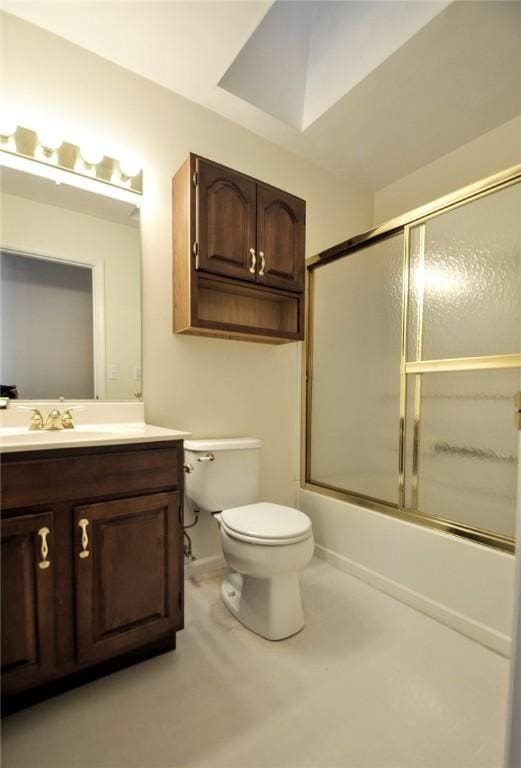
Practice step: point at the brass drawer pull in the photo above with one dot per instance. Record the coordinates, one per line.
(44, 550)
(83, 523)
(263, 263)
(253, 260)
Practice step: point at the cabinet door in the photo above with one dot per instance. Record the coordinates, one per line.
(281, 220)
(225, 221)
(128, 565)
(28, 612)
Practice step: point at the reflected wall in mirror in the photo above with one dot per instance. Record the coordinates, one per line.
(70, 291)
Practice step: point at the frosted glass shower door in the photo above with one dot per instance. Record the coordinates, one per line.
(463, 358)
(356, 371)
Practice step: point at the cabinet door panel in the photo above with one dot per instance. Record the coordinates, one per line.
(225, 221)
(280, 239)
(128, 586)
(28, 614)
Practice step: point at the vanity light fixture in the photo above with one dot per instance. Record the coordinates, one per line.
(8, 127)
(129, 168)
(49, 142)
(91, 155)
(46, 154)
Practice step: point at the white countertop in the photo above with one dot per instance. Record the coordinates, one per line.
(96, 424)
(85, 436)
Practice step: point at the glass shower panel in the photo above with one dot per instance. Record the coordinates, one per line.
(467, 467)
(356, 317)
(467, 265)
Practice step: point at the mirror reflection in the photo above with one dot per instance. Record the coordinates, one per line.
(70, 292)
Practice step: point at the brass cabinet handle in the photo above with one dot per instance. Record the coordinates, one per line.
(208, 457)
(253, 260)
(44, 550)
(83, 523)
(263, 263)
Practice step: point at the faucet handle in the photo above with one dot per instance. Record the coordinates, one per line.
(36, 416)
(67, 418)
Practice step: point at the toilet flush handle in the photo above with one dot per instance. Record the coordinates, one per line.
(208, 457)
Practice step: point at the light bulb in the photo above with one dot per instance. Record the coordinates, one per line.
(49, 140)
(129, 167)
(8, 125)
(91, 154)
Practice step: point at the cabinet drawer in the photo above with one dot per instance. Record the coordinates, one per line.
(42, 480)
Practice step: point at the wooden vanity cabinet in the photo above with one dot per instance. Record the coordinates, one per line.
(90, 581)
(28, 607)
(239, 250)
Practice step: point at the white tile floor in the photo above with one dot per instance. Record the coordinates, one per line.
(369, 682)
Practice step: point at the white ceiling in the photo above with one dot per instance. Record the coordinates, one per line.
(388, 88)
(315, 52)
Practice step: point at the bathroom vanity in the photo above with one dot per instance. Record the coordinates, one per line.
(92, 554)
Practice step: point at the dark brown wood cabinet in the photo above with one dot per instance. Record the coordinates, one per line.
(225, 221)
(91, 580)
(280, 239)
(28, 609)
(239, 250)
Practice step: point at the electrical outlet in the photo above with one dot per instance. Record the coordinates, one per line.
(112, 372)
(137, 374)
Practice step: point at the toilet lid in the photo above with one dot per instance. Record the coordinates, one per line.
(267, 521)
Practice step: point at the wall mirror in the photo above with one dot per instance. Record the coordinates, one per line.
(70, 278)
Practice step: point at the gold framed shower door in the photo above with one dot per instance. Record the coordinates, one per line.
(418, 368)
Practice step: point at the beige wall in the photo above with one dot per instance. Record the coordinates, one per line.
(208, 386)
(48, 230)
(488, 154)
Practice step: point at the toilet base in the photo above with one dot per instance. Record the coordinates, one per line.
(270, 607)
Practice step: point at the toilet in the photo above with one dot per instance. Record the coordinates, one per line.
(265, 545)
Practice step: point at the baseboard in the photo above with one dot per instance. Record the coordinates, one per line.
(205, 566)
(475, 630)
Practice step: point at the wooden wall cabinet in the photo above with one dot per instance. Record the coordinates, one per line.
(239, 250)
(91, 581)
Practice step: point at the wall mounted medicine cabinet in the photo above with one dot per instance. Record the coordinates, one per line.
(238, 255)
(92, 563)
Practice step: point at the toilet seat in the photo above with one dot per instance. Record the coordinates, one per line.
(266, 524)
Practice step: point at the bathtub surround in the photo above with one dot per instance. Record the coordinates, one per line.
(465, 585)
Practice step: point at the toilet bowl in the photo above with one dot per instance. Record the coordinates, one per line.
(265, 545)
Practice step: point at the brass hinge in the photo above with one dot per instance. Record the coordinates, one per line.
(517, 416)
(195, 248)
(195, 178)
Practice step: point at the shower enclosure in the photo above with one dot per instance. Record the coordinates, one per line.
(414, 364)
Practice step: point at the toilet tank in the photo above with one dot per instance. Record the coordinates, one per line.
(229, 479)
